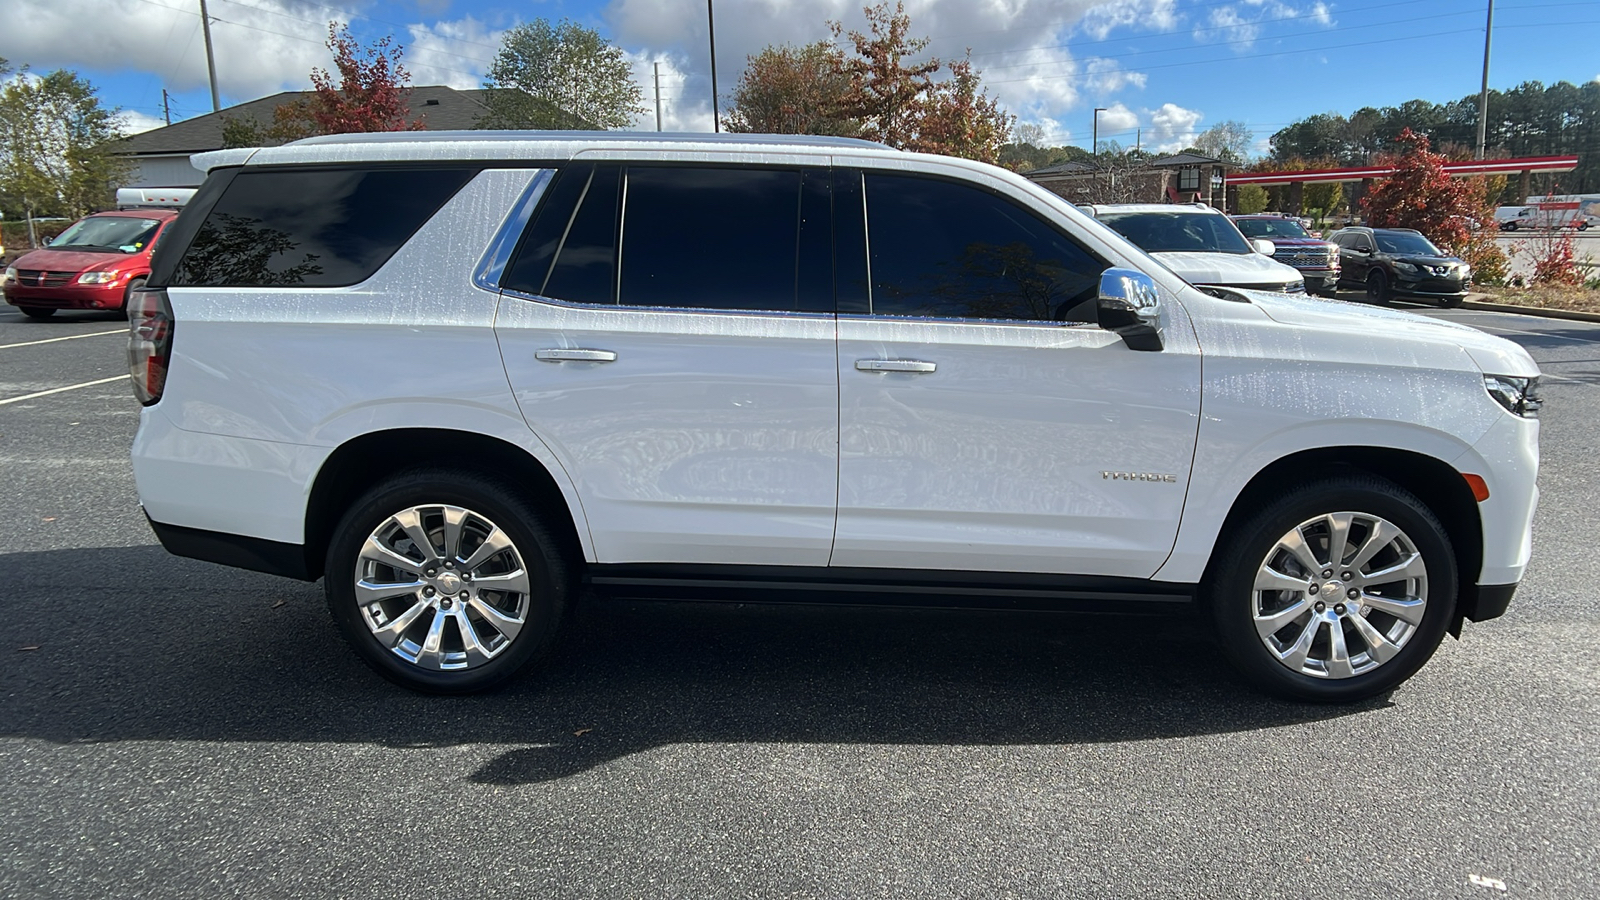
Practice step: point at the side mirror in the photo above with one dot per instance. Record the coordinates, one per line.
(48, 241)
(1130, 305)
(1264, 247)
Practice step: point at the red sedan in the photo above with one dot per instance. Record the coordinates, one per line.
(95, 264)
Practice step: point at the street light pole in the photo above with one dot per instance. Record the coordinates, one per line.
(711, 25)
(1094, 142)
(1483, 95)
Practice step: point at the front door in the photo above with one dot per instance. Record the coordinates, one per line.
(983, 425)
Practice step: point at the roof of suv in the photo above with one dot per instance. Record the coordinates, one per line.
(494, 145)
(1152, 208)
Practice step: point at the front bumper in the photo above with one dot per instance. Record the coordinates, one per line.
(70, 296)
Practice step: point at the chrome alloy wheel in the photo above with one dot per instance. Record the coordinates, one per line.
(1340, 595)
(442, 587)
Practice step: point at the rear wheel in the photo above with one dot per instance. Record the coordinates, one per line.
(34, 312)
(446, 581)
(1378, 288)
(1334, 592)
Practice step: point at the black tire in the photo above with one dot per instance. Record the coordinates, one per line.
(1583, 226)
(1230, 591)
(127, 295)
(1378, 290)
(1508, 226)
(35, 312)
(533, 536)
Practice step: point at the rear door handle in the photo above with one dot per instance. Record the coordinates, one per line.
(575, 355)
(895, 365)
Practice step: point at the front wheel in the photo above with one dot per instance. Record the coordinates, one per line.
(127, 294)
(1378, 288)
(446, 581)
(1334, 592)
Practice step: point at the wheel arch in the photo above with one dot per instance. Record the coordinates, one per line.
(1435, 482)
(363, 461)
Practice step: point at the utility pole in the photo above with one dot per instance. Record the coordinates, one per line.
(211, 58)
(1138, 140)
(658, 95)
(1483, 95)
(1094, 142)
(711, 24)
(166, 109)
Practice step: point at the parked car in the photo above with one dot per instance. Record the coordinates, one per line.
(1316, 260)
(97, 263)
(1400, 262)
(1201, 244)
(506, 369)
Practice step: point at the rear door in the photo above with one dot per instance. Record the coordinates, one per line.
(668, 331)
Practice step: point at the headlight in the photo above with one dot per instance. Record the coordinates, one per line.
(1406, 268)
(1520, 396)
(11, 275)
(97, 277)
(1295, 287)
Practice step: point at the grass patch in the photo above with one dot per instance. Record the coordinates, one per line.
(1572, 299)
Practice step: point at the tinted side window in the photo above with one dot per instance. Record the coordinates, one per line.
(942, 249)
(711, 238)
(586, 265)
(530, 265)
(312, 227)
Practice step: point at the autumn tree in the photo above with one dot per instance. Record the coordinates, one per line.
(561, 76)
(371, 94)
(794, 90)
(1418, 194)
(57, 146)
(957, 118)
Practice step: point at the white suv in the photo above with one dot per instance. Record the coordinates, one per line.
(465, 377)
(1202, 245)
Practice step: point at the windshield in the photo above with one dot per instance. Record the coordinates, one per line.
(1271, 228)
(1405, 242)
(1158, 232)
(112, 234)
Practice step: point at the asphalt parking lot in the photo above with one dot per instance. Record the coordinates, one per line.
(172, 729)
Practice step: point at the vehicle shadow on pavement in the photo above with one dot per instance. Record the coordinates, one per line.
(138, 645)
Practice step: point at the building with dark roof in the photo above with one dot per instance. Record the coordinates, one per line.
(160, 156)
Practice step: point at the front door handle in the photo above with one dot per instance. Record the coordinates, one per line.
(895, 365)
(575, 355)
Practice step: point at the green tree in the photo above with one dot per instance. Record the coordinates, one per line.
(793, 90)
(1252, 199)
(56, 146)
(561, 76)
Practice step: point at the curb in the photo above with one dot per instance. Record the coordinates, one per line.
(1539, 311)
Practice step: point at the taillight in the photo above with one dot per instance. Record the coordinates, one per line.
(149, 343)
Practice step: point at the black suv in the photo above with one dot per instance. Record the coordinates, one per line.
(1400, 262)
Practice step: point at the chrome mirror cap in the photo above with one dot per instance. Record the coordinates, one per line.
(1130, 305)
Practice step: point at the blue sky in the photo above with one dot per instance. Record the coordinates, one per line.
(1162, 69)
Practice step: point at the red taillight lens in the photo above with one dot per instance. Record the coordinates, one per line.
(149, 343)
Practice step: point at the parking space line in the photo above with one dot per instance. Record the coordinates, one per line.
(70, 337)
(70, 387)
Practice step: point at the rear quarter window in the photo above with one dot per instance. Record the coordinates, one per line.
(330, 227)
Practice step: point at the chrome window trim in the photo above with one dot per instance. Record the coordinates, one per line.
(962, 320)
(493, 263)
(689, 310)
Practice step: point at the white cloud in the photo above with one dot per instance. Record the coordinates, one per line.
(453, 53)
(1156, 15)
(134, 122)
(1241, 23)
(1172, 127)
